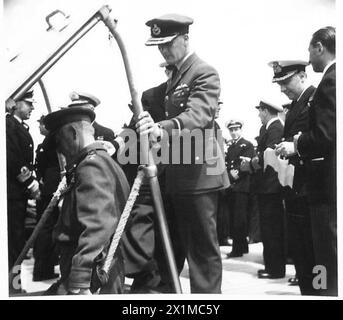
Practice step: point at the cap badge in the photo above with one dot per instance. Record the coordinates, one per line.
(277, 68)
(156, 30)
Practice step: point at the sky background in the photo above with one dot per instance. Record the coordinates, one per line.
(238, 38)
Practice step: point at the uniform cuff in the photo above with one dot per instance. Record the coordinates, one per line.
(168, 126)
(80, 278)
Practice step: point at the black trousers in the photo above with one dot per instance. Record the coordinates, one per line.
(139, 245)
(254, 219)
(272, 232)
(238, 206)
(16, 213)
(223, 217)
(300, 241)
(324, 231)
(44, 249)
(194, 236)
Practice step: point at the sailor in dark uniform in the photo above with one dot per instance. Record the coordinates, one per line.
(21, 182)
(238, 195)
(48, 174)
(141, 243)
(291, 77)
(269, 194)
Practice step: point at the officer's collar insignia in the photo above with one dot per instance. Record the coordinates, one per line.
(277, 68)
(156, 30)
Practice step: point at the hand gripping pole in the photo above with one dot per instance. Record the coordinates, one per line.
(146, 155)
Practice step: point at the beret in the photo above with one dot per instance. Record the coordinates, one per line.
(55, 120)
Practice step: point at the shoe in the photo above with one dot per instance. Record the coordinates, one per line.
(162, 288)
(252, 241)
(45, 277)
(294, 281)
(233, 254)
(223, 243)
(262, 271)
(17, 292)
(267, 275)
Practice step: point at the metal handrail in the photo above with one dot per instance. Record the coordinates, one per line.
(146, 157)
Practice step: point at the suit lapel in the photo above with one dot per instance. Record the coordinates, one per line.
(185, 66)
(332, 68)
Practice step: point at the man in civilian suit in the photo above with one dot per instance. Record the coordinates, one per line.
(269, 194)
(190, 103)
(318, 148)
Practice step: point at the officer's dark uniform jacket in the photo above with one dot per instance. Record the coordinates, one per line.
(19, 147)
(97, 193)
(236, 149)
(297, 120)
(267, 180)
(138, 242)
(320, 141)
(47, 166)
(190, 103)
(152, 101)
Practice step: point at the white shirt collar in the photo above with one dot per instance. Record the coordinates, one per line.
(20, 120)
(271, 121)
(178, 65)
(328, 66)
(235, 141)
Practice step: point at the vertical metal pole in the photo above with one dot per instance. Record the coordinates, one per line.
(45, 95)
(146, 156)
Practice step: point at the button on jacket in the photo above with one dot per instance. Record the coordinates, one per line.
(190, 103)
(235, 150)
(19, 146)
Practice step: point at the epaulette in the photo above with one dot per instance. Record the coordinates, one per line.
(91, 154)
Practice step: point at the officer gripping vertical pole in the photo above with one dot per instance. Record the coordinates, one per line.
(146, 156)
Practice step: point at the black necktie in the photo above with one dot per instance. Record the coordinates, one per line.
(174, 73)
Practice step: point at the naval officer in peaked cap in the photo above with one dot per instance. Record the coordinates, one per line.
(90, 101)
(190, 102)
(238, 192)
(285, 69)
(21, 182)
(291, 76)
(268, 189)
